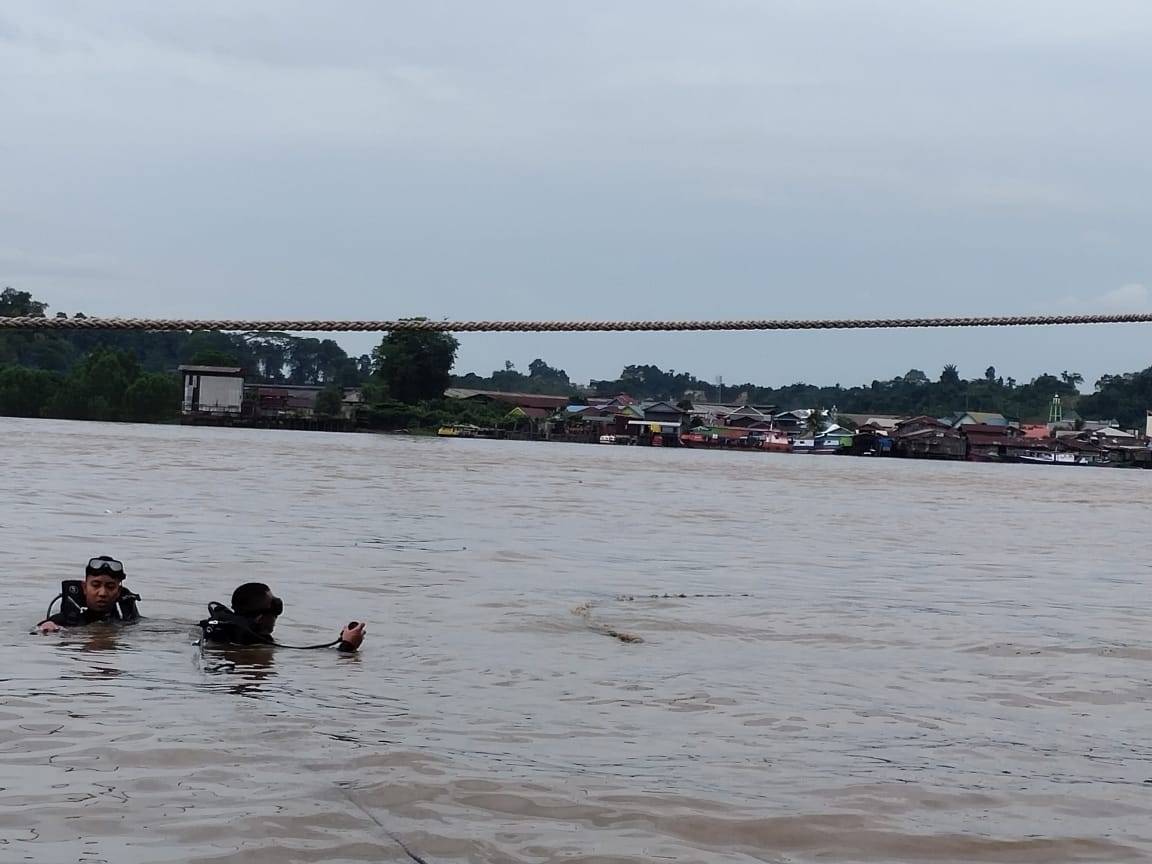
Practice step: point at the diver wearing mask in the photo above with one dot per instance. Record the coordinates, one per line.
(252, 619)
(100, 599)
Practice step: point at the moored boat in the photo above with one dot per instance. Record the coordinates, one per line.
(467, 430)
(1048, 457)
(458, 430)
(776, 442)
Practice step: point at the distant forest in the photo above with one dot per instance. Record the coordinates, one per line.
(266, 357)
(1123, 397)
(130, 375)
(106, 375)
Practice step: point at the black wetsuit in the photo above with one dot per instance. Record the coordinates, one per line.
(225, 627)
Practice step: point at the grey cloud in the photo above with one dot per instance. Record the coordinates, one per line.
(1130, 297)
(649, 159)
(19, 263)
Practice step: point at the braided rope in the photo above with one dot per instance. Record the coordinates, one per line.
(158, 324)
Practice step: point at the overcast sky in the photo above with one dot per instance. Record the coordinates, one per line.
(654, 159)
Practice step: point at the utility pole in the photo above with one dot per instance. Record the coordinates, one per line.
(719, 389)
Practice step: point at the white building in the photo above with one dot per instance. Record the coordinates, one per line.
(212, 389)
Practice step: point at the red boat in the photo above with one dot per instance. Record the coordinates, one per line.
(776, 442)
(737, 438)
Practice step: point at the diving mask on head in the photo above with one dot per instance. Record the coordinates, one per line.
(275, 608)
(105, 565)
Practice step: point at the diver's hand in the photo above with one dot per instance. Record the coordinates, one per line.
(351, 636)
(48, 627)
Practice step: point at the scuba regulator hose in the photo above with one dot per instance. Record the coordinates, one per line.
(223, 621)
(48, 614)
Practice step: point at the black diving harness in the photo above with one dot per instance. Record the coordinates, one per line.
(72, 605)
(222, 624)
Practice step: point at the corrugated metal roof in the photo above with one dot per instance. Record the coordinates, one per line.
(290, 389)
(713, 408)
(209, 370)
(747, 411)
(990, 418)
(885, 421)
(922, 418)
(535, 400)
(938, 431)
(983, 429)
(620, 399)
(1113, 432)
(660, 405)
(530, 412)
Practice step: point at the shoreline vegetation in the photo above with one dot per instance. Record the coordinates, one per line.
(401, 385)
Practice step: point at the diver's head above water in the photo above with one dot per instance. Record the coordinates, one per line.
(256, 602)
(100, 598)
(252, 619)
(103, 580)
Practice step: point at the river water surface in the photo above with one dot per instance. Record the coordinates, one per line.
(872, 660)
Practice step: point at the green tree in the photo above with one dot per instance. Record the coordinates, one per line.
(213, 357)
(201, 342)
(415, 365)
(152, 398)
(815, 422)
(509, 379)
(542, 377)
(330, 401)
(1125, 398)
(97, 387)
(270, 355)
(19, 304)
(26, 392)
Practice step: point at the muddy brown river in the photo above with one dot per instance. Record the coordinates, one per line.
(575, 654)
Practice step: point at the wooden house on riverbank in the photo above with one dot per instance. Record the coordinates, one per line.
(927, 437)
(212, 391)
(1000, 443)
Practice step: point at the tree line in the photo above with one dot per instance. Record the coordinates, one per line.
(130, 375)
(1124, 398)
(272, 358)
(541, 379)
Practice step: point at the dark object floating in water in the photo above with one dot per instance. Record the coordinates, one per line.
(584, 610)
(628, 597)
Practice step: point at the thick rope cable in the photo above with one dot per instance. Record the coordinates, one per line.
(418, 324)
